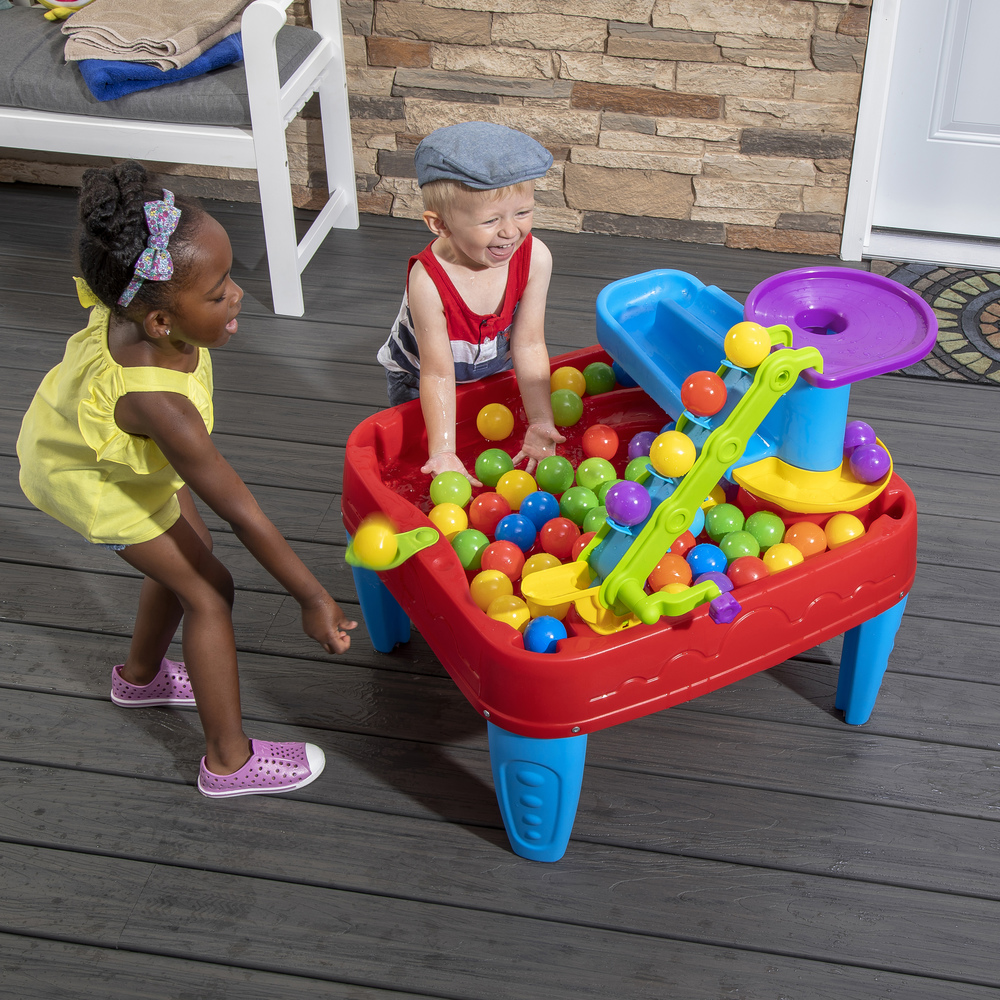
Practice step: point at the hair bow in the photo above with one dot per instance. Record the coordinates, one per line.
(155, 262)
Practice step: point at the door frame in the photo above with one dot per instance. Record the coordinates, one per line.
(859, 240)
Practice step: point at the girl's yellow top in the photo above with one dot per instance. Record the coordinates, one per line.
(78, 465)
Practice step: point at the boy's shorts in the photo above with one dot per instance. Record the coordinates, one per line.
(401, 386)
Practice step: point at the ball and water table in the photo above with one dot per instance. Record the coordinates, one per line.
(777, 445)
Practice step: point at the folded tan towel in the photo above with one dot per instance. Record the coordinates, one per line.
(167, 35)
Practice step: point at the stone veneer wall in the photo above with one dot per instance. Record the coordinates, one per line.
(707, 121)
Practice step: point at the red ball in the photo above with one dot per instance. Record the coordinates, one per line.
(600, 441)
(487, 511)
(746, 569)
(505, 557)
(581, 543)
(557, 537)
(682, 544)
(703, 394)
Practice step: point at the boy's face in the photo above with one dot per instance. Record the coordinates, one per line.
(484, 230)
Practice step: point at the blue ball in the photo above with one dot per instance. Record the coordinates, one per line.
(706, 558)
(541, 634)
(624, 379)
(698, 524)
(518, 529)
(539, 507)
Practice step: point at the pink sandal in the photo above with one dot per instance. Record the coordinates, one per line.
(272, 767)
(169, 687)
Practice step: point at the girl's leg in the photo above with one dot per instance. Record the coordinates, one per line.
(180, 562)
(159, 612)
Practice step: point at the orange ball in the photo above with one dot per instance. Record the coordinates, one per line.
(570, 378)
(672, 568)
(807, 537)
(843, 528)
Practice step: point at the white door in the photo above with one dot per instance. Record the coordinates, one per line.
(932, 187)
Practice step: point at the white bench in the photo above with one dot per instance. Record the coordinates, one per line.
(232, 117)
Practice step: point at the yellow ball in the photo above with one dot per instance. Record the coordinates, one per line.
(717, 496)
(747, 344)
(570, 378)
(514, 486)
(676, 587)
(672, 454)
(449, 519)
(489, 585)
(375, 541)
(495, 422)
(511, 610)
(782, 556)
(843, 528)
(539, 561)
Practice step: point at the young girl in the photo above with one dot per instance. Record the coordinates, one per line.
(118, 435)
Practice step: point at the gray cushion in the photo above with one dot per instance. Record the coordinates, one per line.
(33, 74)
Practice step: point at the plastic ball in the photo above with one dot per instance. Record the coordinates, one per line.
(569, 378)
(595, 519)
(505, 557)
(450, 487)
(703, 394)
(375, 541)
(746, 569)
(580, 544)
(706, 558)
(637, 468)
(554, 474)
(843, 528)
(576, 502)
(870, 462)
(495, 422)
(557, 537)
(600, 441)
(672, 454)
(672, 568)
(486, 512)
(698, 523)
(592, 472)
(538, 562)
(513, 611)
(781, 557)
(856, 434)
(628, 503)
(737, 544)
(489, 584)
(468, 546)
(449, 519)
(675, 588)
(624, 379)
(683, 544)
(567, 407)
(518, 529)
(491, 465)
(514, 486)
(539, 507)
(716, 496)
(600, 377)
(747, 344)
(719, 579)
(640, 443)
(808, 537)
(542, 634)
(766, 527)
(722, 519)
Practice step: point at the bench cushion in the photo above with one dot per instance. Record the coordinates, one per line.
(36, 76)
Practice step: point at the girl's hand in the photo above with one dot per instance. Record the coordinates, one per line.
(540, 442)
(447, 461)
(324, 621)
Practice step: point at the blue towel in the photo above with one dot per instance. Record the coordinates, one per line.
(111, 78)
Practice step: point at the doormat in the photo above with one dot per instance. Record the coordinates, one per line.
(967, 306)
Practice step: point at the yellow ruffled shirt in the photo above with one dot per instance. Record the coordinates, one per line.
(78, 465)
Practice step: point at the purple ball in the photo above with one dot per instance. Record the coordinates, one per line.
(869, 463)
(640, 444)
(719, 579)
(856, 434)
(627, 503)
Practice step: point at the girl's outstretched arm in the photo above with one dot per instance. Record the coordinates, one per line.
(174, 423)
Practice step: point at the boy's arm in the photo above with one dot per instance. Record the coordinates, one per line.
(437, 375)
(531, 361)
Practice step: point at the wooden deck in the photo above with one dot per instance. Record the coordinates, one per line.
(745, 845)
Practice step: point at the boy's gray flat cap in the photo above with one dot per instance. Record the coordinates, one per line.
(481, 155)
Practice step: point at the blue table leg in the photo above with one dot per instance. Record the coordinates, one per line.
(538, 789)
(862, 664)
(386, 621)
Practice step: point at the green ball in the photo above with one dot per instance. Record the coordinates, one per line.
(592, 472)
(636, 469)
(554, 474)
(722, 519)
(737, 544)
(600, 377)
(567, 407)
(468, 546)
(602, 490)
(450, 487)
(577, 502)
(491, 465)
(595, 519)
(766, 527)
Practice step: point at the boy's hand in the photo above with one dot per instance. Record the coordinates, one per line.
(324, 621)
(540, 442)
(447, 461)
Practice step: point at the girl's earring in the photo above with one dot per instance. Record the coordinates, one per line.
(167, 331)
